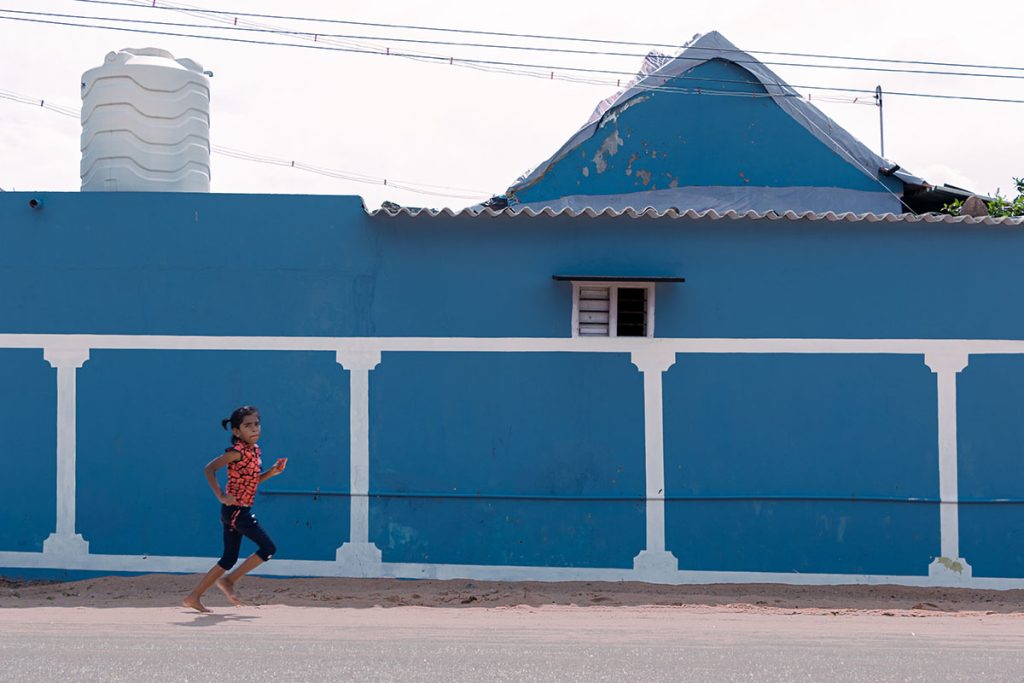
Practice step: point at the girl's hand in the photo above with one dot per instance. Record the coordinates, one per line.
(279, 465)
(227, 499)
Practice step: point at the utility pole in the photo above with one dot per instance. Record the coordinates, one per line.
(881, 122)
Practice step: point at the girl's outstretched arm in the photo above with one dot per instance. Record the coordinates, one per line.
(211, 475)
(277, 469)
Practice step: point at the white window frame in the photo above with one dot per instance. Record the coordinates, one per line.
(613, 306)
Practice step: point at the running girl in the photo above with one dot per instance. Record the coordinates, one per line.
(244, 476)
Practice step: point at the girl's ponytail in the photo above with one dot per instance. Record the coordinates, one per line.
(225, 422)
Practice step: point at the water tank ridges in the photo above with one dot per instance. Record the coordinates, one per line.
(192, 127)
(154, 158)
(145, 124)
(123, 172)
(106, 90)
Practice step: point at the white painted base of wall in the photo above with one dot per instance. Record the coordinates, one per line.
(363, 561)
(656, 566)
(359, 559)
(951, 572)
(65, 546)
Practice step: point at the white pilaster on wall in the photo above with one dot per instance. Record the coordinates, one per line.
(654, 563)
(64, 542)
(949, 566)
(359, 557)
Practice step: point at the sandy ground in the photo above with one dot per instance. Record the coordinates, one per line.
(166, 590)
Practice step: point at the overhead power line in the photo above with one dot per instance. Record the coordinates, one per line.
(532, 36)
(539, 70)
(36, 102)
(446, 43)
(546, 72)
(530, 72)
(416, 187)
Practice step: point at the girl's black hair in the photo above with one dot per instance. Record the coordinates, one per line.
(236, 419)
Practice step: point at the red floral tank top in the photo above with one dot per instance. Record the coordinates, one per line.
(244, 474)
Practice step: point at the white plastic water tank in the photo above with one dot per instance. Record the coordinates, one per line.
(145, 124)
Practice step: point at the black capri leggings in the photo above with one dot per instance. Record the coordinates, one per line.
(240, 521)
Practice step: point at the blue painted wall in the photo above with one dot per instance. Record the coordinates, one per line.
(507, 459)
(184, 264)
(667, 139)
(991, 450)
(28, 440)
(148, 421)
(805, 463)
(512, 459)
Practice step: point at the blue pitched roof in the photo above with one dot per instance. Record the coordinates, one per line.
(795, 157)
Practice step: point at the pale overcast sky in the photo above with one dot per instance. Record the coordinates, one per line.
(440, 124)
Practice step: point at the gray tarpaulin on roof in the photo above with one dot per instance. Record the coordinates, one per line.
(714, 46)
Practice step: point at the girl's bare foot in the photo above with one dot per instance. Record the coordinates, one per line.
(228, 588)
(193, 603)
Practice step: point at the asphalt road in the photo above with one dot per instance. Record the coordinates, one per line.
(281, 643)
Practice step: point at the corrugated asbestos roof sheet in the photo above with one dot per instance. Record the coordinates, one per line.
(710, 214)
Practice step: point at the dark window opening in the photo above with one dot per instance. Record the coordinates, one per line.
(632, 312)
